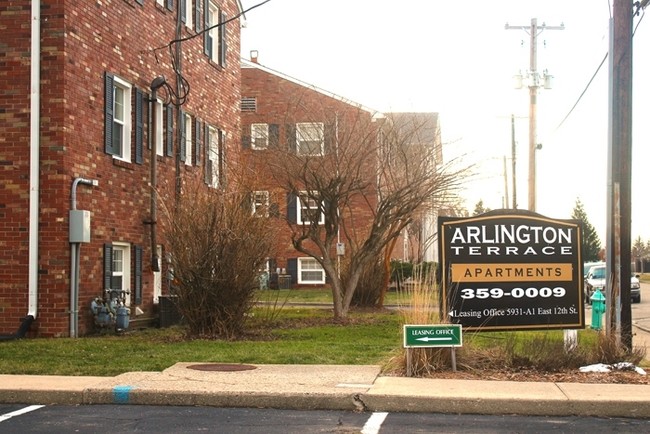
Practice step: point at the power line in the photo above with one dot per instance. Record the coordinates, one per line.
(640, 7)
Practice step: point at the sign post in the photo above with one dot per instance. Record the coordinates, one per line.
(432, 336)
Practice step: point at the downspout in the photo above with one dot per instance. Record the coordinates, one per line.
(34, 164)
(156, 84)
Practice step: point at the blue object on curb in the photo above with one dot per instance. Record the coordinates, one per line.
(121, 394)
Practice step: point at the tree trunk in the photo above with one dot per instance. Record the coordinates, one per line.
(388, 250)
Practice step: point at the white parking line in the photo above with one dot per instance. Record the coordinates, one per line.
(373, 424)
(6, 416)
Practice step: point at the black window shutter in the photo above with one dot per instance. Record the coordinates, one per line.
(246, 136)
(197, 142)
(292, 208)
(108, 114)
(197, 15)
(274, 135)
(274, 210)
(329, 137)
(137, 273)
(207, 40)
(181, 130)
(222, 158)
(170, 4)
(248, 202)
(222, 39)
(291, 137)
(147, 99)
(292, 269)
(139, 126)
(108, 265)
(169, 137)
(183, 10)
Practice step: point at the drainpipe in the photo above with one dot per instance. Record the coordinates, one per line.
(75, 255)
(34, 166)
(156, 84)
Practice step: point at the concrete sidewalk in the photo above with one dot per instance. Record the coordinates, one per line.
(328, 387)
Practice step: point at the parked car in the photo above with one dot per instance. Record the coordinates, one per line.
(597, 279)
(588, 266)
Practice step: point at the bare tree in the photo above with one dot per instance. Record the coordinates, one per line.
(364, 186)
(217, 248)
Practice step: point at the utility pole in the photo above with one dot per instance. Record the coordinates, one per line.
(533, 84)
(619, 179)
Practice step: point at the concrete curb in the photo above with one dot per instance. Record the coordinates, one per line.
(325, 387)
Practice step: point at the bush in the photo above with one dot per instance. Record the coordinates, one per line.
(370, 284)
(400, 271)
(216, 249)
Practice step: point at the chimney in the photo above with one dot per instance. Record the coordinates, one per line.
(254, 56)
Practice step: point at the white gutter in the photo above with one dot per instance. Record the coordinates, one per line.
(34, 164)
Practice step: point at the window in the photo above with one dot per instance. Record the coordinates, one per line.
(214, 157)
(121, 268)
(187, 9)
(309, 210)
(260, 205)
(169, 4)
(215, 38)
(188, 139)
(159, 127)
(117, 112)
(259, 136)
(310, 271)
(310, 138)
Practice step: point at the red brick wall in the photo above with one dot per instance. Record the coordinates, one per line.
(14, 161)
(81, 40)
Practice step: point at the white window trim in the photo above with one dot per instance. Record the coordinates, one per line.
(304, 281)
(189, 13)
(259, 132)
(125, 148)
(264, 211)
(214, 31)
(213, 155)
(125, 248)
(188, 139)
(160, 114)
(300, 206)
(299, 135)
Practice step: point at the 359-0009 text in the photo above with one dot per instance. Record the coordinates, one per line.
(517, 292)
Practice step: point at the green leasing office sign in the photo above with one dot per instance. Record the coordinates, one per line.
(439, 335)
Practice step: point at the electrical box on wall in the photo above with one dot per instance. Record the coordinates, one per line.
(79, 226)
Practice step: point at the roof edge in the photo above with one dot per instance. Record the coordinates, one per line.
(249, 64)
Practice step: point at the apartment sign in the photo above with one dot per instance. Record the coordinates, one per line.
(511, 270)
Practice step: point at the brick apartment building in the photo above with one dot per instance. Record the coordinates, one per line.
(419, 242)
(281, 113)
(78, 123)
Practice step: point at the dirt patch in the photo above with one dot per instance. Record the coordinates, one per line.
(613, 377)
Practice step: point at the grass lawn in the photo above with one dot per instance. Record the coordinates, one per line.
(317, 295)
(297, 336)
(291, 335)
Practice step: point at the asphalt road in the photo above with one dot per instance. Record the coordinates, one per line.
(169, 419)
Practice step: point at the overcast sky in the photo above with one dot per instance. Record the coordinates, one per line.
(457, 59)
